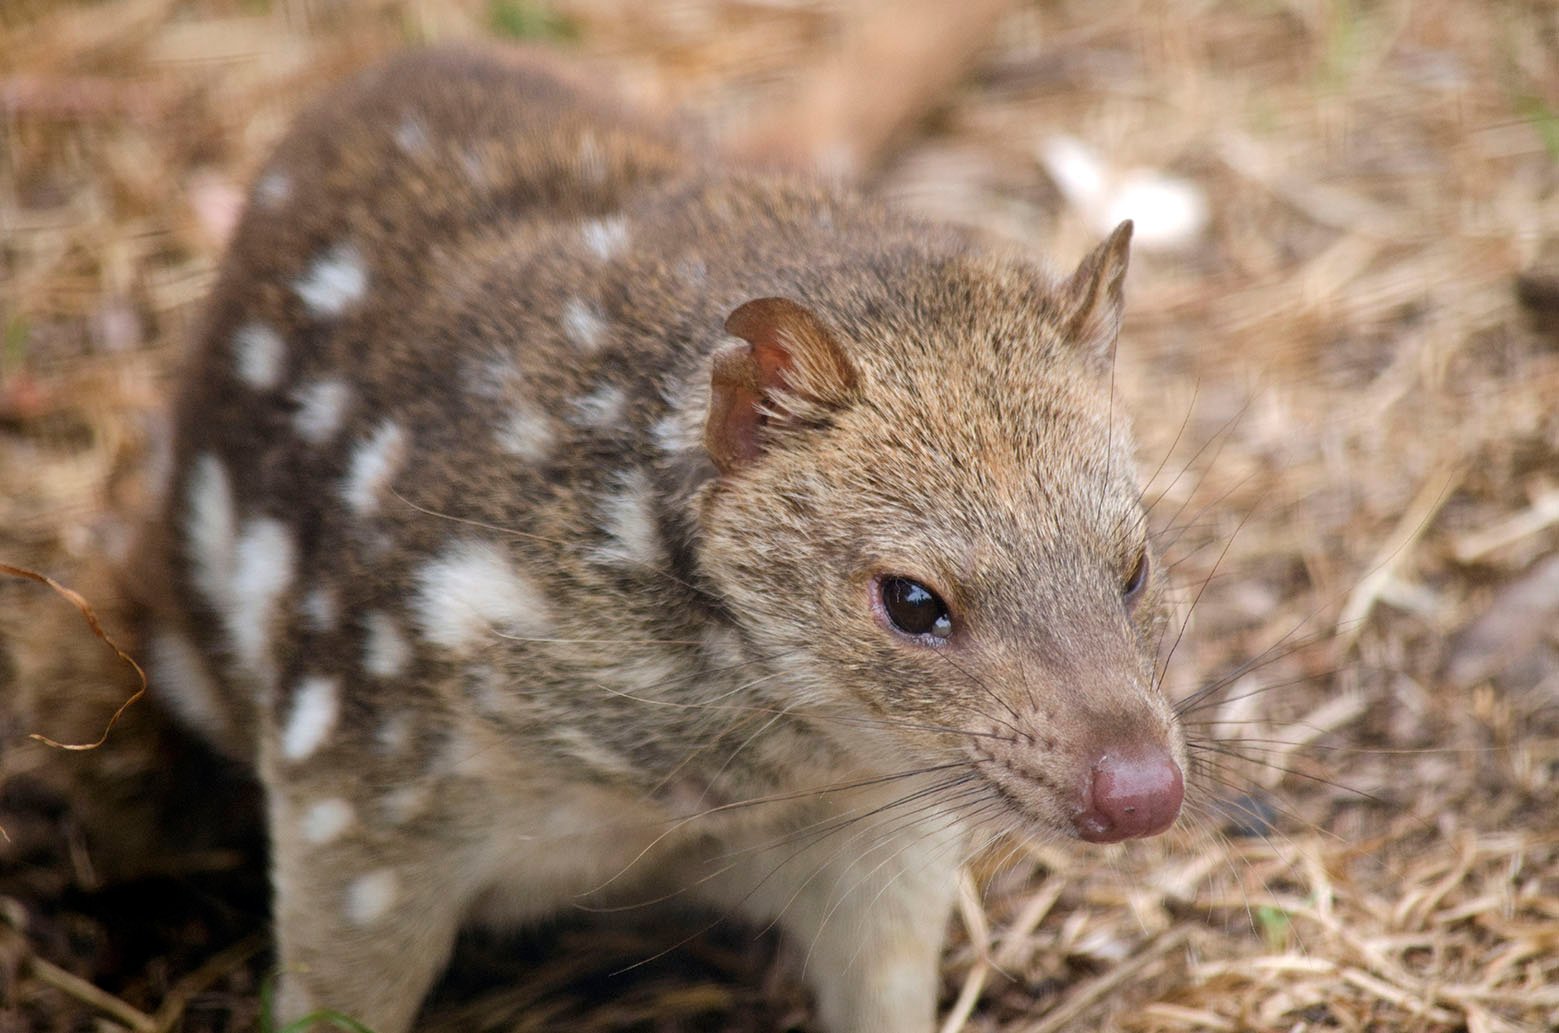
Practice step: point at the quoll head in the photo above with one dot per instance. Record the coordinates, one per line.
(927, 513)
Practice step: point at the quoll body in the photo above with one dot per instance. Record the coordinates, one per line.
(559, 515)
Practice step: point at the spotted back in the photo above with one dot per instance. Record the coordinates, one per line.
(324, 379)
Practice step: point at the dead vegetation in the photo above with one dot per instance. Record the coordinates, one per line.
(1346, 377)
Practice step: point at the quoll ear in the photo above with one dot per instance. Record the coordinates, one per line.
(1093, 298)
(787, 366)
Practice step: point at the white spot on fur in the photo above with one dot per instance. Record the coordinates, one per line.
(629, 519)
(241, 572)
(526, 434)
(693, 271)
(462, 756)
(723, 647)
(489, 692)
(262, 573)
(386, 652)
(373, 466)
(260, 355)
(394, 734)
(321, 408)
(592, 160)
(681, 430)
(334, 282)
(476, 168)
(178, 674)
(315, 708)
(588, 749)
(583, 325)
(411, 137)
(210, 528)
(495, 377)
(370, 897)
(673, 435)
(405, 803)
(325, 820)
(606, 237)
(319, 609)
(273, 190)
(471, 590)
(526, 431)
(653, 676)
(601, 408)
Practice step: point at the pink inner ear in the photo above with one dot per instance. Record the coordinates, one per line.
(746, 375)
(760, 323)
(731, 433)
(742, 423)
(773, 360)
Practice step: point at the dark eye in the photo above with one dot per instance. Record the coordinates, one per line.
(913, 608)
(1135, 581)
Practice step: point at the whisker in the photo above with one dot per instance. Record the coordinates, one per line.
(1353, 790)
(1185, 421)
(773, 798)
(688, 939)
(1371, 751)
(733, 858)
(1198, 598)
(1272, 654)
(980, 683)
(884, 836)
(810, 715)
(1221, 435)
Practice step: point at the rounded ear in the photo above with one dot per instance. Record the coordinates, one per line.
(1093, 298)
(785, 368)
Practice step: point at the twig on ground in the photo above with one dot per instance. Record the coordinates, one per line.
(81, 604)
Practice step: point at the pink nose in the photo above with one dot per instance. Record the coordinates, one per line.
(1135, 792)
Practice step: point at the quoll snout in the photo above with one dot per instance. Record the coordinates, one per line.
(1131, 791)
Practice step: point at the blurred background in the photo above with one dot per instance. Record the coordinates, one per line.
(1341, 353)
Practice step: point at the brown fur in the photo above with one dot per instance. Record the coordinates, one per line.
(567, 654)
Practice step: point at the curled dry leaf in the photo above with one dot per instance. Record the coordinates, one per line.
(75, 599)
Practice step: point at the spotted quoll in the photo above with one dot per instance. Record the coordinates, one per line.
(559, 514)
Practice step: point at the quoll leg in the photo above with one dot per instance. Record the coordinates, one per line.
(364, 926)
(868, 907)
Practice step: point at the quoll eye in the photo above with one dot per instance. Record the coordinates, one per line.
(913, 608)
(1131, 591)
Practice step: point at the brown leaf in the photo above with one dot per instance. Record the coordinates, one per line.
(81, 604)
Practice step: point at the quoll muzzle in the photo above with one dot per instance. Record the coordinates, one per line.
(1131, 792)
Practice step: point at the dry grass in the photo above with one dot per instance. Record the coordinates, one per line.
(1351, 378)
